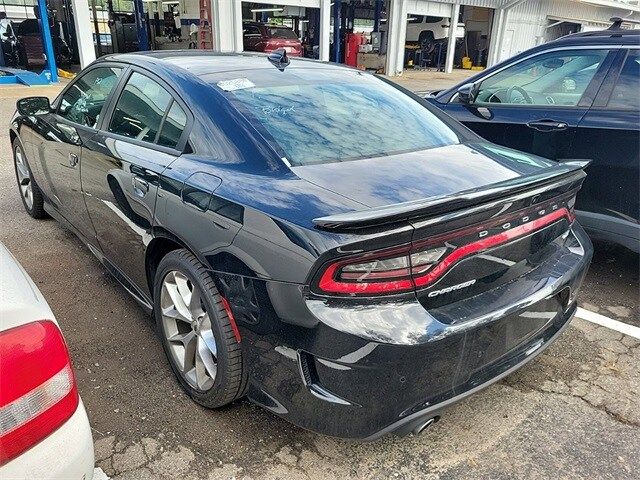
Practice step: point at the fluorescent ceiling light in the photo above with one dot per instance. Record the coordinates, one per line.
(256, 10)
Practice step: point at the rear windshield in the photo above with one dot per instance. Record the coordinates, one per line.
(281, 33)
(324, 116)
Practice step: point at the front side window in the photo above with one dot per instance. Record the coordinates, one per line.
(625, 93)
(322, 117)
(140, 109)
(553, 78)
(83, 101)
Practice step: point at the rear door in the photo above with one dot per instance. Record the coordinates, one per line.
(143, 132)
(535, 104)
(609, 134)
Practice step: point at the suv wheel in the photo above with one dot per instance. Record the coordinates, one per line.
(196, 332)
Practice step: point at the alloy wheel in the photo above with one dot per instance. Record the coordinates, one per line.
(187, 330)
(24, 178)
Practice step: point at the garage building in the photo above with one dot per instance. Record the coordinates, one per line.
(384, 35)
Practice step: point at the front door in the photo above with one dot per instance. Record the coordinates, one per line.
(121, 170)
(62, 136)
(536, 104)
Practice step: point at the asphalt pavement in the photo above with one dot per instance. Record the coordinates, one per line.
(571, 413)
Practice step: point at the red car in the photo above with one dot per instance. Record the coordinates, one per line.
(261, 37)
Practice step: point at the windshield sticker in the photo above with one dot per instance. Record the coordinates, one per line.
(235, 84)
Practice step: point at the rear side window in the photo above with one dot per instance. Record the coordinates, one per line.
(173, 126)
(140, 109)
(83, 101)
(285, 33)
(320, 117)
(625, 93)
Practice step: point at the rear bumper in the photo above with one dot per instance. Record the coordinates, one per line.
(407, 424)
(66, 454)
(362, 371)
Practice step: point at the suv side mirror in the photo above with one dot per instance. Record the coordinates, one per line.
(33, 106)
(467, 93)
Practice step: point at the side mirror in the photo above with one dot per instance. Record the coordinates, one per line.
(467, 93)
(33, 106)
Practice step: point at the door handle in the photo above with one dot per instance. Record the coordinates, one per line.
(143, 172)
(73, 159)
(547, 125)
(140, 186)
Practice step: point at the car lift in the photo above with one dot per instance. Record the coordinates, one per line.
(12, 76)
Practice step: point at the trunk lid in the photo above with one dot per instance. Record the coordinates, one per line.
(481, 217)
(426, 174)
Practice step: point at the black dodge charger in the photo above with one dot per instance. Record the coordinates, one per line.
(306, 235)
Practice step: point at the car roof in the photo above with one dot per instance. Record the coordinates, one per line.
(206, 63)
(611, 36)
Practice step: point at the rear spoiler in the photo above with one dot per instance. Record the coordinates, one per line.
(566, 171)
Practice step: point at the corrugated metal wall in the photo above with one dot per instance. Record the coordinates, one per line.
(527, 21)
(436, 9)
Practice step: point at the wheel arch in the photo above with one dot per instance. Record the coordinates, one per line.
(162, 243)
(165, 241)
(236, 280)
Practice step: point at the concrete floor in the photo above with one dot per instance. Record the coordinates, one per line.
(572, 413)
(423, 81)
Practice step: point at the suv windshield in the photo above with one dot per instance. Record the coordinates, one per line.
(324, 116)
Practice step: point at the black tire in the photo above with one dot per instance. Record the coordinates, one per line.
(230, 379)
(36, 210)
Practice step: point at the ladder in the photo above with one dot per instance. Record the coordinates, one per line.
(205, 34)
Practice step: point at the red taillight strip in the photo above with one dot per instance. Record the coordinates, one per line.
(329, 284)
(489, 242)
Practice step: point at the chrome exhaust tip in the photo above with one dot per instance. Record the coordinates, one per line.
(421, 427)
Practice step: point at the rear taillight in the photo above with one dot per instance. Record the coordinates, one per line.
(403, 269)
(38, 391)
(385, 274)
